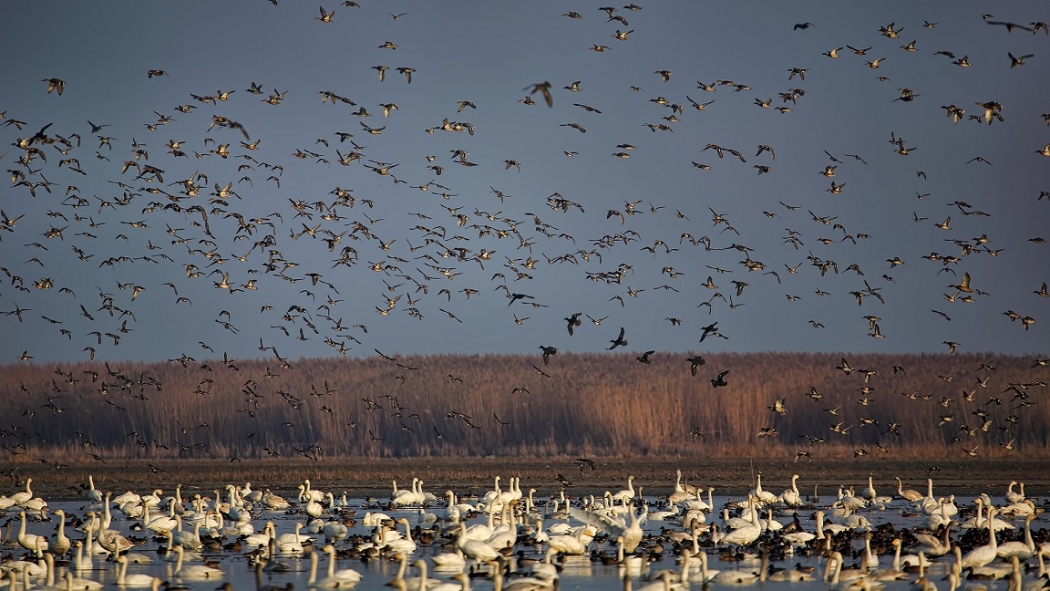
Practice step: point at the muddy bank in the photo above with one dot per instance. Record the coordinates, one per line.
(362, 477)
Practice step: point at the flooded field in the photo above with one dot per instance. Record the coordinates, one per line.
(389, 538)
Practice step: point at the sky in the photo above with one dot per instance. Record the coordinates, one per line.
(418, 282)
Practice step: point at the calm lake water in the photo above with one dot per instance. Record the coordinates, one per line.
(579, 572)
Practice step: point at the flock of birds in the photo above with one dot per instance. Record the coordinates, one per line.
(864, 541)
(58, 168)
(105, 199)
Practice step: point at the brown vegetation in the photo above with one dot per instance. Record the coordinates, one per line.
(604, 404)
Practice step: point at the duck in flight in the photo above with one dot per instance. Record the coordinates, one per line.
(720, 380)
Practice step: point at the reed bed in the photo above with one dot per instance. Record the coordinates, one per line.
(458, 406)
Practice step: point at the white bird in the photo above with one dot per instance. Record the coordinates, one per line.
(462, 584)
(193, 572)
(31, 542)
(745, 535)
(1014, 497)
(420, 583)
(404, 498)
(93, 494)
(134, 580)
(933, 545)
(274, 502)
(23, 496)
(908, 495)
(763, 495)
(1023, 550)
(626, 495)
(476, 549)
(160, 523)
(334, 579)
(61, 544)
(791, 497)
(334, 531)
(679, 494)
(184, 539)
(406, 544)
(985, 554)
(450, 561)
(287, 542)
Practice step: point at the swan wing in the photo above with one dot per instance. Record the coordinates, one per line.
(610, 525)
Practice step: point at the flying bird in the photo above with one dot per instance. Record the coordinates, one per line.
(720, 380)
(545, 89)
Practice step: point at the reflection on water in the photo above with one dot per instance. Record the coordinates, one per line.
(577, 572)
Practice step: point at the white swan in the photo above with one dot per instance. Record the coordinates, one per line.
(274, 502)
(679, 493)
(763, 496)
(260, 540)
(21, 497)
(450, 561)
(452, 512)
(193, 572)
(406, 544)
(462, 584)
(61, 544)
(869, 493)
(823, 526)
(626, 495)
(93, 494)
(908, 495)
(506, 534)
(483, 531)
(476, 549)
(420, 583)
(545, 569)
(185, 539)
(933, 545)
(855, 582)
(311, 494)
(492, 495)
(1023, 550)
(404, 498)
(135, 580)
(982, 555)
(614, 526)
(335, 579)
(334, 531)
(314, 508)
(160, 523)
(153, 499)
(791, 497)
(871, 559)
(292, 543)
(31, 542)
(745, 535)
(706, 575)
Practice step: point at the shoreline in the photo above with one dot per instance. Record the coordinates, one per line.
(372, 477)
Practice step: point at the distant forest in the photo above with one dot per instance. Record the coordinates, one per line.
(773, 405)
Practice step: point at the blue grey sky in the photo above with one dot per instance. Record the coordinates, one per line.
(492, 54)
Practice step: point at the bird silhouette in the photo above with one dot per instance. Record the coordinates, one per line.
(720, 381)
